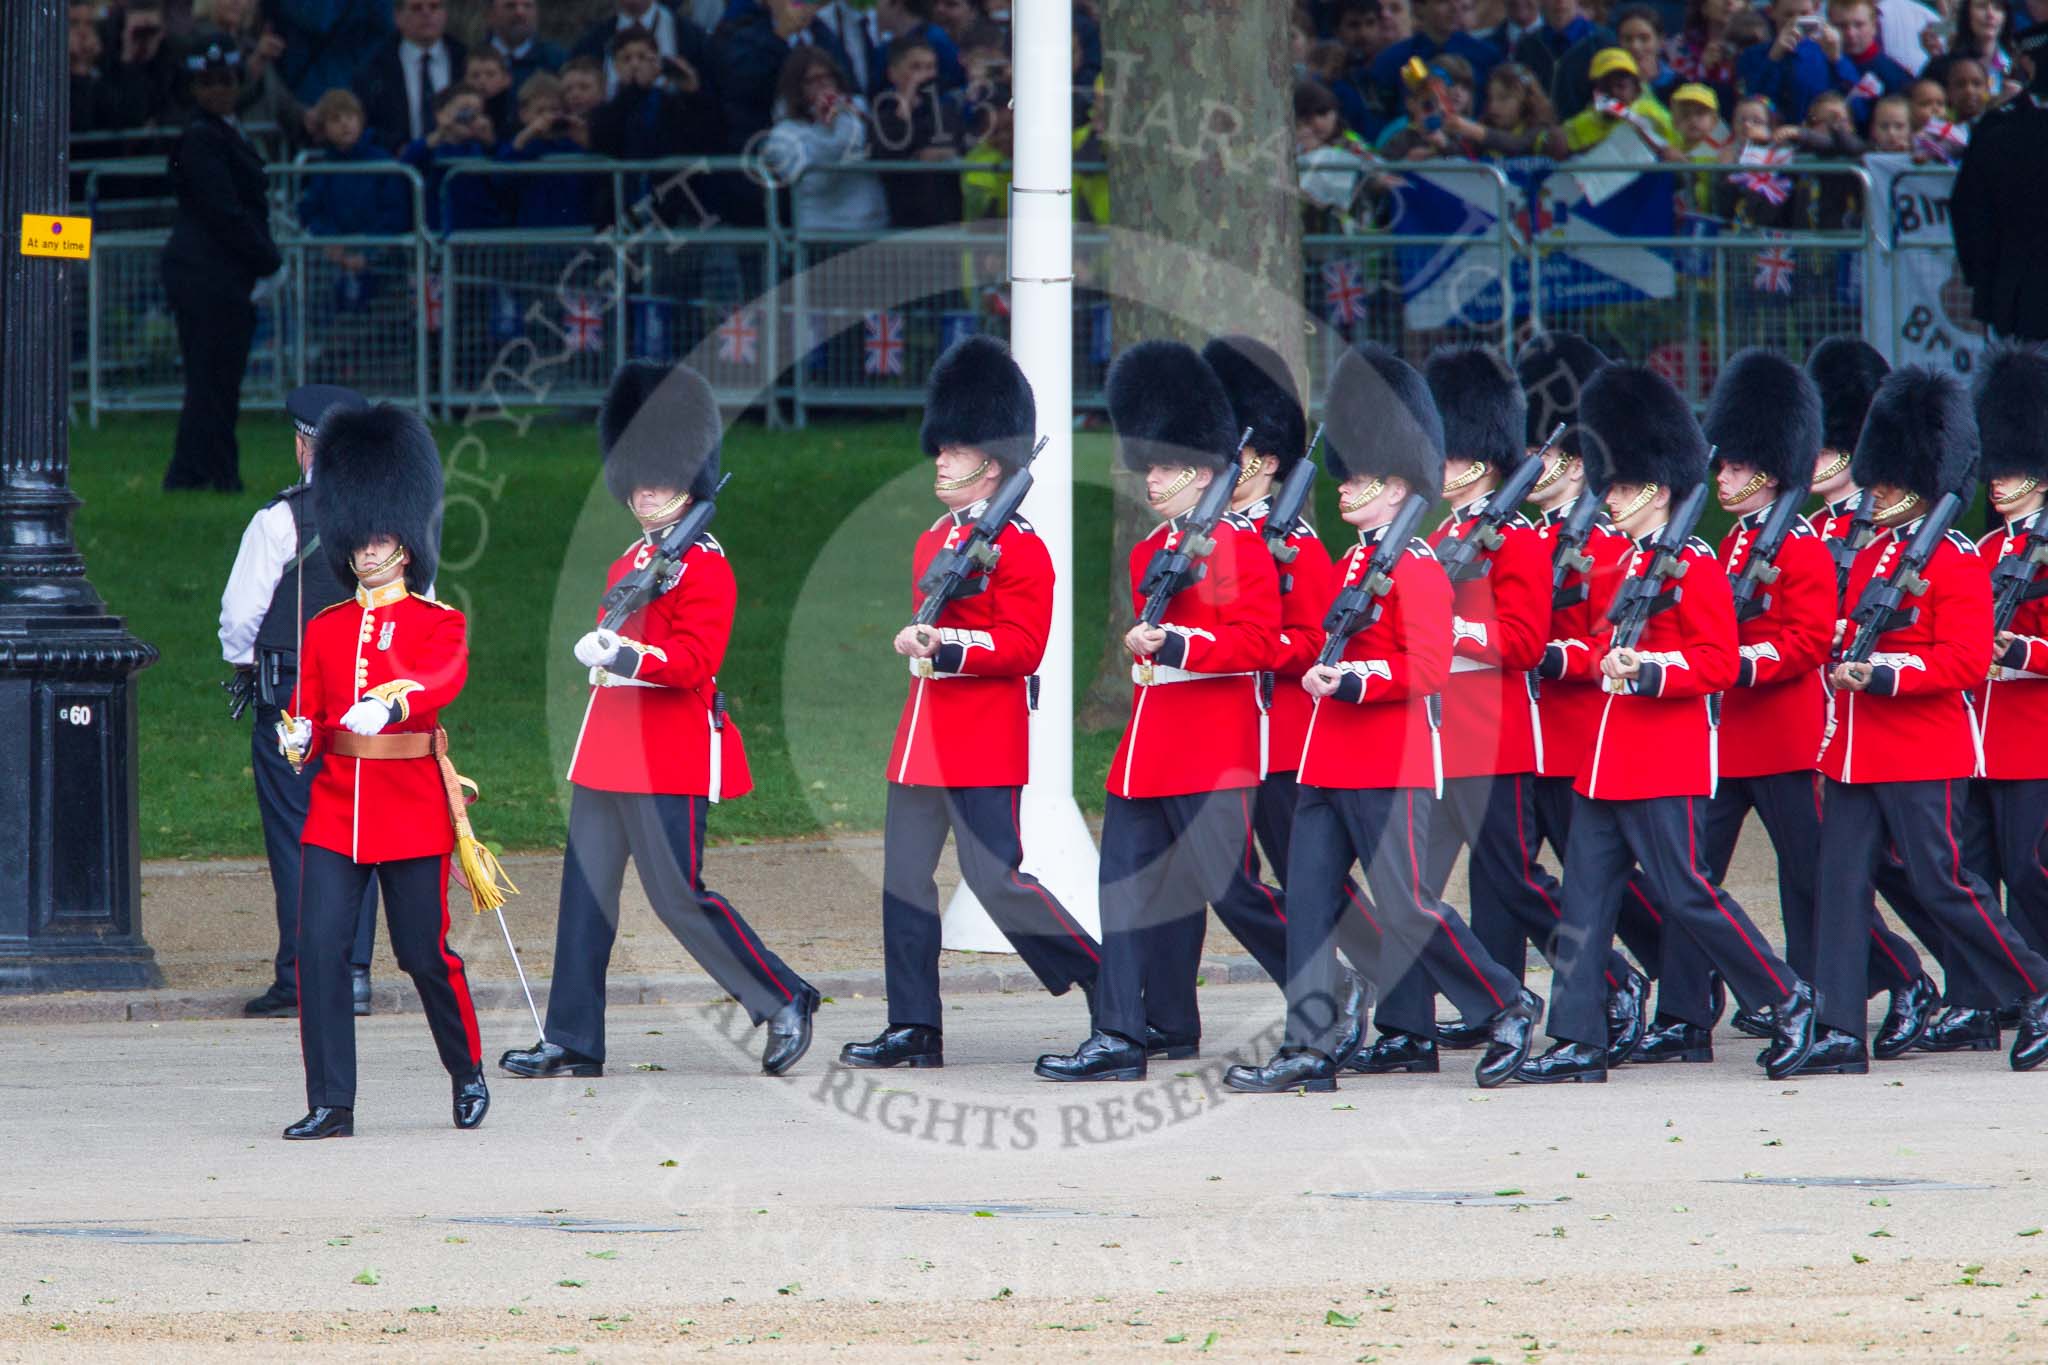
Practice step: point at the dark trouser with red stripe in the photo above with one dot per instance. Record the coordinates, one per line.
(1358, 932)
(1789, 806)
(664, 835)
(1514, 898)
(1922, 822)
(990, 844)
(1385, 831)
(2016, 812)
(281, 799)
(416, 911)
(1638, 926)
(1658, 835)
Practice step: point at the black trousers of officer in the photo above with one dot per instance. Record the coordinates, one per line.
(1358, 931)
(1659, 835)
(664, 836)
(1922, 822)
(1789, 806)
(281, 797)
(215, 328)
(416, 911)
(1513, 897)
(990, 844)
(1385, 831)
(1638, 927)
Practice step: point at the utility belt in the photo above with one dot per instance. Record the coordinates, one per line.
(602, 677)
(1158, 675)
(1031, 682)
(277, 672)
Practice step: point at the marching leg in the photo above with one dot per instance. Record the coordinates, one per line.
(416, 907)
(331, 889)
(988, 833)
(586, 926)
(913, 836)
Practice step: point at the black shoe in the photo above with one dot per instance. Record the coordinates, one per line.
(1395, 1051)
(2008, 1014)
(1795, 1023)
(1580, 1062)
(1905, 1023)
(1162, 1046)
(1756, 1023)
(322, 1122)
(1513, 1030)
(544, 1059)
(1675, 1041)
(1961, 1029)
(275, 1003)
(1104, 1057)
(359, 990)
(1294, 1069)
(1351, 1022)
(472, 1100)
(1628, 1017)
(1462, 1037)
(789, 1032)
(2031, 1046)
(917, 1045)
(1834, 1053)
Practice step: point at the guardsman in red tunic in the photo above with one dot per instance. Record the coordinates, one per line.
(1905, 741)
(375, 673)
(657, 749)
(962, 751)
(1177, 830)
(1492, 737)
(1653, 758)
(1846, 371)
(1371, 759)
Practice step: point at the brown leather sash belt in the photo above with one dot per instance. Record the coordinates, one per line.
(348, 744)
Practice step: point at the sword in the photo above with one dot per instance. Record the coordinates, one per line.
(532, 1008)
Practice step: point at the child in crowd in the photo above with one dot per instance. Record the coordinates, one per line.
(1926, 100)
(1944, 135)
(582, 87)
(1519, 119)
(462, 132)
(1760, 197)
(655, 115)
(1333, 167)
(351, 205)
(1696, 119)
(486, 71)
(1437, 124)
(547, 130)
(1828, 202)
(1891, 125)
(1619, 99)
(914, 122)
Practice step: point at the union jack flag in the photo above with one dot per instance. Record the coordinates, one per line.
(1774, 270)
(1772, 188)
(582, 324)
(881, 343)
(1343, 292)
(739, 339)
(433, 303)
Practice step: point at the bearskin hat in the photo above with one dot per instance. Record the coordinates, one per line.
(1920, 433)
(2011, 395)
(1553, 369)
(1482, 406)
(1847, 371)
(377, 472)
(1379, 421)
(659, 428)
(977, 396)
(1169, 408)
(1766, 412)
(1262, 397)
(1639, 429)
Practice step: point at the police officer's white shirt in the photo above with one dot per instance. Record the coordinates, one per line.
(268, 546)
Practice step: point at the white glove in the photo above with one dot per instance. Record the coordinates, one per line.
(598, 648)
(294, 736)
(366, 717)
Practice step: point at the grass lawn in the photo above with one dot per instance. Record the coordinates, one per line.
(818, 523)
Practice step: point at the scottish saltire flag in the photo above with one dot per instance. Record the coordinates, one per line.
(739, 339)
(505, 321)
(582, 324)
(881, 343)
(1101, 335)
(654, 329)
(955, 326)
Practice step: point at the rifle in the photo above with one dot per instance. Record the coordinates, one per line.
(1862, 530)
(660, 572)
(1461, 555)
(1286, 513)
(1173, 571)
(1358, 606)
(1570, 556)
(2013, 582)
(963, 570)
(1883, 606)
(1760, 569)
(1639, 599)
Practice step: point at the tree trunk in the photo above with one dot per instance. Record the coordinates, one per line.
(1197, 124)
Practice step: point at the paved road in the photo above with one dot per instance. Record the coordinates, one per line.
(976, 1213)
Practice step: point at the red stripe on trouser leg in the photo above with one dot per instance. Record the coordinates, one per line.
(725, 908)
(458, 977)
(1529, 873)
(1692, 865)
(1358, 904)
(1251, 865)
(1415, 884)
(1890, 956)
(1053, 907)
(1948, 807)
(1644, 901)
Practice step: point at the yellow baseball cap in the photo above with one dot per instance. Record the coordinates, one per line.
(1694, 93)
(1609, 60)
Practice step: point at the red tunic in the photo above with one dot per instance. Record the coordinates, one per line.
(1304, 602)
(1830, 521)
(1374, 731)
(966, 722)
(1658, 738)
(1774, 719)
(1195, 725)
(411, 653)
(649, 725)
(1499, 626)
(2013, 706)
(1569, 707)
(1914, 723)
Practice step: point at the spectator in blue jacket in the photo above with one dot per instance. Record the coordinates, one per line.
(1437, 32)
(1542, 49)
(351, 205)
(462, 132)
(1366, 108)
(1804, 59)
(326, 40)
(1876, 74)
(512, 27)
(548, 132)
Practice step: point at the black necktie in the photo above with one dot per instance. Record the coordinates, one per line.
(423, 121)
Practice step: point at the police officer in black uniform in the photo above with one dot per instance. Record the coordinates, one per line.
(280, 580)
(1998, 214)
(219, 250)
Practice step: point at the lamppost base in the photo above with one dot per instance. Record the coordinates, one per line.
(83, 966)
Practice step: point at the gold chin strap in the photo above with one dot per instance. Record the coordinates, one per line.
(1552, 474)
(1365, 495)
(1756, 481)
(1842, 458)
(665, 511)
(1897, 511)
(1643, 499)
(965, 480)
(2018, 493)
(1466, 479)
(1166, 494)
(381, 565)
(1248, 469)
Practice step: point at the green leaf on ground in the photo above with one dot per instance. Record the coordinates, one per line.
(365, 1276)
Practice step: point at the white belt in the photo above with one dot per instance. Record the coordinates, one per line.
(2016, 675)
(922, 668)
(599, 677)
(1154, 675)
(1460, 664)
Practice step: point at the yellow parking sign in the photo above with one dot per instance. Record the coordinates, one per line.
(44, 234)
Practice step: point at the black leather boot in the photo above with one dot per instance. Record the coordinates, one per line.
(1907, 1020)
(1961, 1029)
(1567, 1062)
(915, 1045)
(322, 1122)
(1794, 1024)
(1294, 1069)
(472, 1100)
(789, 1033)
(1395, 1051)
(1104, 1057)
(1675, 1041)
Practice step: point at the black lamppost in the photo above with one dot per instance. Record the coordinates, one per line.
(70, 875)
